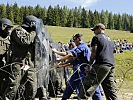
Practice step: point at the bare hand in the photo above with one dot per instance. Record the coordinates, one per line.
(54, 50)
(58, 59)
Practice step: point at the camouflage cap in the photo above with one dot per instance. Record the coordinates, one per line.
(99, 25)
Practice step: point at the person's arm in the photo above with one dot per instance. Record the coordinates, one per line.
(70, 55)
(60, 65)
(94, 43)
(93, 54)
(59, 53)
(64, 64)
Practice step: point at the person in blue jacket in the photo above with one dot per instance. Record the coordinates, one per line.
(81, 55)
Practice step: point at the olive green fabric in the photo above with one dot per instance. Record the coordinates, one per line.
(100, 74)
(4, 47)
(22, 43)
(23, 53)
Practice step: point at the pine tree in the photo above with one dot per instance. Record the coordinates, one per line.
(84, 19)
(96, 18)
(131, 24)
(56, 16)
(110, 21)
(16, 14)
(43, 15)
(119, 22)
(49, 19)
(63, 16)
(37, 11)
(76, 16)
(126, 23)
(115, 19)
(104, 18)
(31, 10)
(9, 12)
(22, 10)
(70, 19)
(26, 12)
(2, 11)
(79, 16)
(91, 18)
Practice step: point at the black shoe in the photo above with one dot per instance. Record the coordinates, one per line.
(52, 95)
(61, 91)
(75, 97)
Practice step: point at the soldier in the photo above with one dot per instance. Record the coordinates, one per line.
(5, 29)
(23, 81)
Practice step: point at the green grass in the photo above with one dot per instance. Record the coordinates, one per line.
(124, 64)
(64, 34)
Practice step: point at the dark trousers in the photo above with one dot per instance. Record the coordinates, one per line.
(3, 85)
(4, 80)
(75, 83)
(100, 74)
(22, 85)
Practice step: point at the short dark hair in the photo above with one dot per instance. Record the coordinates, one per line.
(72, 44)
(78, 35)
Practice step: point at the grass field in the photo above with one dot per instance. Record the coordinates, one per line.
(124, 71)
(123, 62)
(64, 34)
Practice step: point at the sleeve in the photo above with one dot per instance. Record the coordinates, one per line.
(22, 37)
(94, 41)
(76, 52)
(69, 51)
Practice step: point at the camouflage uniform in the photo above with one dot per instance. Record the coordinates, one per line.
(4, 50)
(4, 46)
(22, 82)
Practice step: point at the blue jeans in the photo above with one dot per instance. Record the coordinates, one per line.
(74, 83)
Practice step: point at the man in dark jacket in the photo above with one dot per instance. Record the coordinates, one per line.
(102, 71)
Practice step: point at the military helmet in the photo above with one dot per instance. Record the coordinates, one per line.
(30, 21)
(4, 23)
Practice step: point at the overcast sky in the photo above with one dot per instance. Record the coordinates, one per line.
(115, 6)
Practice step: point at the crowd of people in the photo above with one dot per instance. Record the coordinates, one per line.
(92, 68)
(122, 45)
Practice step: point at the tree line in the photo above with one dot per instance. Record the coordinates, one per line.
(65, 17)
